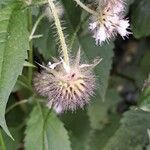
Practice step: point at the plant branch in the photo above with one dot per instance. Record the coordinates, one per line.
(128, 78)
(35, 27)
(2, 141)
(30, 70)
(76, 31)
(15, 105)
(60, 31)
(86, 8)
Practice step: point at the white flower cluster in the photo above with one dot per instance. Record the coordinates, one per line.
(109, 21)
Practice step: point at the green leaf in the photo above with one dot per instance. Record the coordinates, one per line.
(6, 2)
(73, 12)
(144, 101)
(47, 135)
(79, 126)
(100, 112)
(46, 44)
(132, 135)
(13, 51)
(99, 138)
(103, 69)
(141, 18)
(28, 64)
(12, 144)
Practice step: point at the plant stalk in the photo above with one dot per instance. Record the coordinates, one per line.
(60, 31)
(2, 143)
(86, 8)
(30, 58)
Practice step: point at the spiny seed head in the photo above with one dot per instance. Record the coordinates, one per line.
(110, 21)
(66, 87)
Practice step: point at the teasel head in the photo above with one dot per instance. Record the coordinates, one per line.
(66, 87)
(109, 21)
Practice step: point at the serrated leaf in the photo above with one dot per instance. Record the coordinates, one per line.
(99, 138)
(47, 135)
(13, 51)
(103, 69)
(132, 135)
(141, 18)
(99, 111)
(78, 125)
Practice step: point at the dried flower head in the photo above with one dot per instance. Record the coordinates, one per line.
(109, 21)
(66, 86)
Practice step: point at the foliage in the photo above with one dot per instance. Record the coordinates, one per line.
(51, 133)
(117, 116)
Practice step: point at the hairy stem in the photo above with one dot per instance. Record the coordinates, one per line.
(85, 7)
(60, 31)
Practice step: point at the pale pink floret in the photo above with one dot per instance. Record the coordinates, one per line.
(110, 22)
(122, 28)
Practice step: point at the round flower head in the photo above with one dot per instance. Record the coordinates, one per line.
(66, 86)
(109, 21)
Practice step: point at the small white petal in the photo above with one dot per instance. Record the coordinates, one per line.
(100, 35)
(66, 67)
(58, 109)
(123, 26)
(109, 22)
(53, 66)
(119, 8)
(93, 25)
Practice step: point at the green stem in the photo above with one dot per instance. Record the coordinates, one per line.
(85, 7)
(35, 27)
(76, 31)
(60, 31)
(30, 70)
(2, 143)
(44, 120)
(15, 105)
(44, 125)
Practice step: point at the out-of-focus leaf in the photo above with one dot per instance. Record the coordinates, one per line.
(47, 134)
(13, 51)
(10, 144)
(141, 18)
(15, 116)
(100, 112)
(73, 12)
(78, 125)
(6, 2)
(46, 44)
(103, 69)
(145, 63)
(132, 134)
(22, 84)
(99, 138)
(144, 100)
